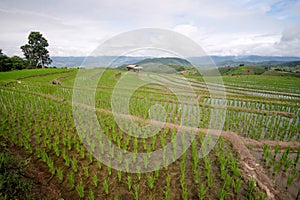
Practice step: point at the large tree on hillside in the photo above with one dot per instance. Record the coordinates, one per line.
(35, 51)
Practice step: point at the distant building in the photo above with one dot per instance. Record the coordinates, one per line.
(134, 68)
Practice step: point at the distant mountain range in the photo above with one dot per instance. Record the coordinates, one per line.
(220, 61)
(101, 61)
(255, 58)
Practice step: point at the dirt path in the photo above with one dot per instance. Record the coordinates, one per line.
(252, 170)
(258, 145)
(64, 77)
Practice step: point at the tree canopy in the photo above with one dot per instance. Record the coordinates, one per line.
(35, 51)
(12, 63)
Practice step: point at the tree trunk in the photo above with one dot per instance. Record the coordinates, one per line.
(42, 62)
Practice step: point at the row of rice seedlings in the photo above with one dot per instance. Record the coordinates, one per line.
(259, 126)
(283, 162)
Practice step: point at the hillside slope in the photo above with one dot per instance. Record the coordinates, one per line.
(163, 65)
(257, 70)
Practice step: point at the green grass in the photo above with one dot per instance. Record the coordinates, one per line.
(239, 70)
(276, 83)
(281, 73)
(243, 70)
(47, 79)
(17, 74)
(258, 70)
(285, 84)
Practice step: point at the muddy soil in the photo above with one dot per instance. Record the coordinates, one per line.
(280, 178)
(35, 171)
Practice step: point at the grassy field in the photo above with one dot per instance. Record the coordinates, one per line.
(257, 155)
(20, 74)
(259, 70)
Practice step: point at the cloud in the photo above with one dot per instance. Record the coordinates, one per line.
(290, 40)
(291, 35)
(66, 37)
(220, 27)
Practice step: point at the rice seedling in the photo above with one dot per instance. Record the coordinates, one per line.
(287, 164)
(237, 184)
(223, 193)
(136, 192)
(105, 186)
(252, 185)
(86, 171)
(210, 180)
(74, 164)
(202, 191)
(91, 194)
(80, 189)
(95, 180)
(197, 176)
(72, 180)
(291, 177)
(151, 181)
(129, 183)
(60, 174)
(50, 164)
(119, 176)
(185, 193)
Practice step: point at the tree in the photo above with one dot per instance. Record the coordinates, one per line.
(3, 62)
(35, 51)
(18, 63)
(11, 63)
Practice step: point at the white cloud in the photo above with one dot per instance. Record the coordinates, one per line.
(290, 40)
(220, 27)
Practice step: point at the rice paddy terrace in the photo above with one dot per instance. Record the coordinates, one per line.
(241, 145)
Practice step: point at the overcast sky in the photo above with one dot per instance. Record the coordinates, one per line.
(220, 27)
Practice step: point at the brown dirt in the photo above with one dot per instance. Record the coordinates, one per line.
(64, 77)
(258, 145)
(251, 169)
(36, 171)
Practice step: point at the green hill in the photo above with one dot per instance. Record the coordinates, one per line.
(257, 70)
(165, 61)
(242, 70)
(163, 65)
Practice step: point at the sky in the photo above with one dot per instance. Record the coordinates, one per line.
(220, 27)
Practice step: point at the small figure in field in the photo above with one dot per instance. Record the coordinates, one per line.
(55, 82)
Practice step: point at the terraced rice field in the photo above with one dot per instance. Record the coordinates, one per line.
(152, 136)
